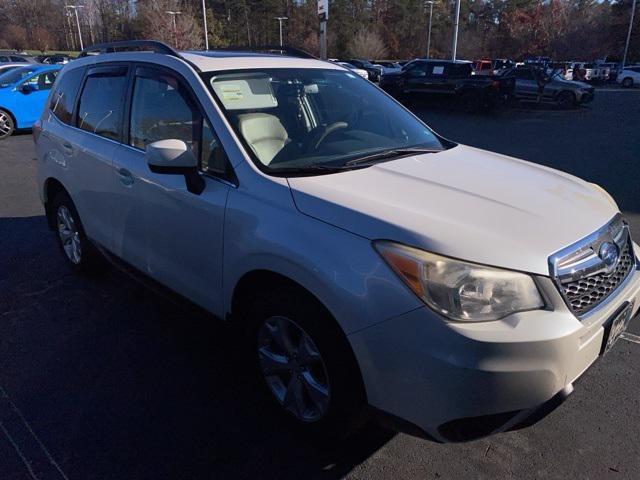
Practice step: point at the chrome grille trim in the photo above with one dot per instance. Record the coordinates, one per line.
(582, 278)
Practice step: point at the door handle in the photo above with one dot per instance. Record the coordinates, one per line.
(126, 177)
(67, 148)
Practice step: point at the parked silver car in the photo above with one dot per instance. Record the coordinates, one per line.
(551, 89)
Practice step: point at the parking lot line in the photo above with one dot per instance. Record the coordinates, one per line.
(34, 455)
(630, 337)
(602, 90)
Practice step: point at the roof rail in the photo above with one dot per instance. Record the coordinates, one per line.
(275, 49)
(154, 46)
(130, 45)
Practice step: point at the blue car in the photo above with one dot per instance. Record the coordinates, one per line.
(23, 93)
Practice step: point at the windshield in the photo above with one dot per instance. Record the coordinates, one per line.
(303, 120)
(9, 78)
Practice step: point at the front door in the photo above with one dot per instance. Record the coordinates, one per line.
(161, 228)
(33, 95)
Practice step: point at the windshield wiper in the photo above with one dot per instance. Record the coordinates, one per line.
(313, 168)
(388, 154)
(360, 162)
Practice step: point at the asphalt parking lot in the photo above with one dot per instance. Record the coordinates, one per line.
(103, 379)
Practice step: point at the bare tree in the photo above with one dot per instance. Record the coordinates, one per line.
(42, 39)
(367, 44)
(15, 36)
(156, 23)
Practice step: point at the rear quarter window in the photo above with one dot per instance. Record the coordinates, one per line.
(64, 95)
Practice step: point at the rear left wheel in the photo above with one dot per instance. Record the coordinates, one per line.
(81, 256)
(627, 82)
(7, 126)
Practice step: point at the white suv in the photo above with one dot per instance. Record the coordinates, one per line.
(373, 265)
(629, 76)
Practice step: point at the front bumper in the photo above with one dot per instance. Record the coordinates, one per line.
(457, 381)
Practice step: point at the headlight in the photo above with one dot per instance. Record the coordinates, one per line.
(459, 290)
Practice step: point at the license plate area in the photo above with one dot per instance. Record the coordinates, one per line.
(615, 326)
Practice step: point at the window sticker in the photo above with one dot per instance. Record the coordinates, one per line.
(438, 70)
(231, 92)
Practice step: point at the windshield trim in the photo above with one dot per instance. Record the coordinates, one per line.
(207, 76)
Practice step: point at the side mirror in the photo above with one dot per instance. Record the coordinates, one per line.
(174, 157)
(27, 88)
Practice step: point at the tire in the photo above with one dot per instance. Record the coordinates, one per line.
(324, 374)
(79, 253)
(7, 126)
(566, 100)
(627, 82)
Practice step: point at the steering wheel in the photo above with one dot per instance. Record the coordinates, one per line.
(321, 132)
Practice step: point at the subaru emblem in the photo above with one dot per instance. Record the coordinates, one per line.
(609, 254)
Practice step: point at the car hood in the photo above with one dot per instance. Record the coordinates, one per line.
(464, 202)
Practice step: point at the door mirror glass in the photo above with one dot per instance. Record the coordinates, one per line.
(171, 154)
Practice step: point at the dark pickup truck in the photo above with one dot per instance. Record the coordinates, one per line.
(448, 78)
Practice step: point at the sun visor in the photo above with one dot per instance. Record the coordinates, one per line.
(244, 92)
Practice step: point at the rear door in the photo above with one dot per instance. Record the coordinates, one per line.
(98, 121)
(161, 228)
(436, 82)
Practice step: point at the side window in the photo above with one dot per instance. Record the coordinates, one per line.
(162, 108)
(44, 81)
(418, 70)
(524, 74)
(17, 59)
(65, 94)
(100, 106)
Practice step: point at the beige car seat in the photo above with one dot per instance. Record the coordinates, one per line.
(264, 133)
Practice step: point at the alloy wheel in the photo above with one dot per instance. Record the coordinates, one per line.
(69, 235)
(6, 124)
(293, 369)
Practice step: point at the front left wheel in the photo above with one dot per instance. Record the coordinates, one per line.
(306, 365)
(7, 126)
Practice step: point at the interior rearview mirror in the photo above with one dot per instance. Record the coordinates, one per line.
(174, 157)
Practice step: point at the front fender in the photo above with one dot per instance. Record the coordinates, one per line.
(342, 270)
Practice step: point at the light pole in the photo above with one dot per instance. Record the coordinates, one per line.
(626, 48)
(206, 33)
(175, 27)
(280, 20)
(75, 9)
(430, 2)
(454, 48)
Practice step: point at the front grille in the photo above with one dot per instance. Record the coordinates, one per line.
(586, 293)
(587, 274)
